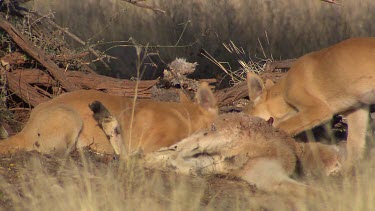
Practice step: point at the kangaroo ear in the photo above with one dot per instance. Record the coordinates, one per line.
(255, 86)
(205, 97)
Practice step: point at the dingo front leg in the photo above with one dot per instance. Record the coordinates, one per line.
(356, 140)
(305, 119)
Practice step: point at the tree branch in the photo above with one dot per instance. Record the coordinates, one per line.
(138, 4)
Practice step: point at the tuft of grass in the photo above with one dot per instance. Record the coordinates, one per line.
(247, 64)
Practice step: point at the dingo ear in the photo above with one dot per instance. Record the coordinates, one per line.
(183, 97)
(205, 97)
(255, 86)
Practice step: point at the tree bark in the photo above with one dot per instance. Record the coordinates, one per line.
(83, 80)
(26, 92)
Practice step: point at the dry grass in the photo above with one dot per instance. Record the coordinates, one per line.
(87, 183)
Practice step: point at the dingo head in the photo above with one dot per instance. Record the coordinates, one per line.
(266, 99)
(109, 124)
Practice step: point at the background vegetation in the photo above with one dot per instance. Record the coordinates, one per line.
(263, 28)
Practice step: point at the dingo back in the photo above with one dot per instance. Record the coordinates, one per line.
(337, 79)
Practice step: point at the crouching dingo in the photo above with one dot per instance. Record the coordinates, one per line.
(67, 121)
(336, 80)
(250, 148)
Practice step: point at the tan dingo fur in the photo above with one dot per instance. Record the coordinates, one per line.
(67, 121)
(336, 80)
(250, 148)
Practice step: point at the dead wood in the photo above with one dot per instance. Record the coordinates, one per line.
(11, 59)
(231, 94)
(37, 54)
(284, 64)
(26, 92)
(83, 80)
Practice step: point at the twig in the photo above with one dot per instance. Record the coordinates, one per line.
(182, 33)
(332, 2)
(68, 57)
(43, 91)
(136, 3)
(19, 109)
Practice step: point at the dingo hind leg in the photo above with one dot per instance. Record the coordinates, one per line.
(55, 129)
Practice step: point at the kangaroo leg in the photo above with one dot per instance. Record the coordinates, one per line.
(357, 128)
(268, 174)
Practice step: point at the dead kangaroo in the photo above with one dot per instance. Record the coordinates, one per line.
(336, 80)
(250, 148)
(243, 146)
(67, 121)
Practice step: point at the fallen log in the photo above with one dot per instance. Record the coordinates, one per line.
(26, 92)
(83, 80)
(229, 95)
(126, 87)
(114, 86)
